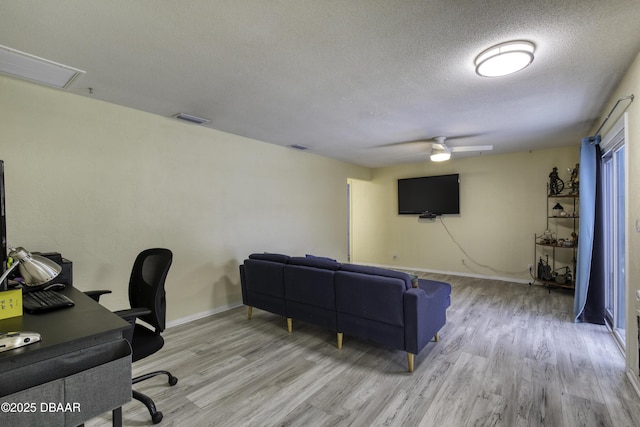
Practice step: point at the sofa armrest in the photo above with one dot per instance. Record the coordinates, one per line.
(424, 316)
(243, 285)
(436, 289)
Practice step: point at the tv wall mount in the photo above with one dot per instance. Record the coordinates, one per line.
(427, 215)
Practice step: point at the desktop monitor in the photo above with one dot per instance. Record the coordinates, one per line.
(3, 224)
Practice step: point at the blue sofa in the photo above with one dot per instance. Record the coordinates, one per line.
(370, 303)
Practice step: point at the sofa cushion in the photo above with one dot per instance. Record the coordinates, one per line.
(370, 296)
(315, 262)
(377, 271)
(311, 286)
(270, 257)
(264, 277)
(320, 257)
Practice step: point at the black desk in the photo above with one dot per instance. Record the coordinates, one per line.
(80, 369)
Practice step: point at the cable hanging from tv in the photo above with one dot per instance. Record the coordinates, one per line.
(471, 258)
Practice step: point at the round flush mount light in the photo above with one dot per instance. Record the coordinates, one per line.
(505, 58)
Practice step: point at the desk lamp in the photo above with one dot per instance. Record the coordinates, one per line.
(34, 269)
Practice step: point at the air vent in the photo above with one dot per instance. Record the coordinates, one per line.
(38, 70)
(192, 119)
(299, 147)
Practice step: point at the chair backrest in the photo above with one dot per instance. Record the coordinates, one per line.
(146, 285)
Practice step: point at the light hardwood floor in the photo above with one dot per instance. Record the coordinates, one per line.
(509, 355)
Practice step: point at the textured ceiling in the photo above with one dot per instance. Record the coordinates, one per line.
(347, 78)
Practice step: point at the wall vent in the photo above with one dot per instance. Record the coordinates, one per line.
(299, 147)
(190, 118)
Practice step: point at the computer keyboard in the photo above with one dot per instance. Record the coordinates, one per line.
(43, 301)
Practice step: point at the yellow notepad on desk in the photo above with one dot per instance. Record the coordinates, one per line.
(10, 303)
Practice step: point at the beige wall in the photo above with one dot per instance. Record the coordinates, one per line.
(502, 205)
(630, 85)
(98, 183)
(368, 231)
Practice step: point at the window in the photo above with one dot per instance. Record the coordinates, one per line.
(613, 197)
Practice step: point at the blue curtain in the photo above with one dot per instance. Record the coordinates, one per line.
(588, 304)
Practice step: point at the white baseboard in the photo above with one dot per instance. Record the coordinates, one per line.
(451, 273)
(202, 314)
(635, 382)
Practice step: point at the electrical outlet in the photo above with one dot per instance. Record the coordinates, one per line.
(395, 257)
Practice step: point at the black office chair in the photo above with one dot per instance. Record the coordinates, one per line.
(147, 299)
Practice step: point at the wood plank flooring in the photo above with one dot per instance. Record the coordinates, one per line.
(509, 355)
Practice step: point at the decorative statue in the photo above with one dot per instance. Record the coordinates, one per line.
(574, 181)
(556, 185)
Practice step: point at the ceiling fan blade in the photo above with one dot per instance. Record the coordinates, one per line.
(471, 148)
(403, 143)
(456, 137)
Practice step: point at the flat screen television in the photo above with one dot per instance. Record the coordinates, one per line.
(434, 194)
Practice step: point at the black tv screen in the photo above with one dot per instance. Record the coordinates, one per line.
(434, 194)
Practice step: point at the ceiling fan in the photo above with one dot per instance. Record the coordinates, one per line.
(440, 151)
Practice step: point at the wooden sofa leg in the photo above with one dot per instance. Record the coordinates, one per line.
(435, 338)
(249, 312)
(289, 324)
(410, 360)
(339, 340)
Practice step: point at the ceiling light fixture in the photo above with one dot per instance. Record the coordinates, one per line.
(440, 155)
(504, 58)
(39, 70)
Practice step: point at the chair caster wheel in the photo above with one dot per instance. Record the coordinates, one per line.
(157, 417)
(173, 380)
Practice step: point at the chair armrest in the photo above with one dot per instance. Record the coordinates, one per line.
(95, 295)
(131, 314)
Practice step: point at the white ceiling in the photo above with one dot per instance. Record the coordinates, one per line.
(347, 78)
